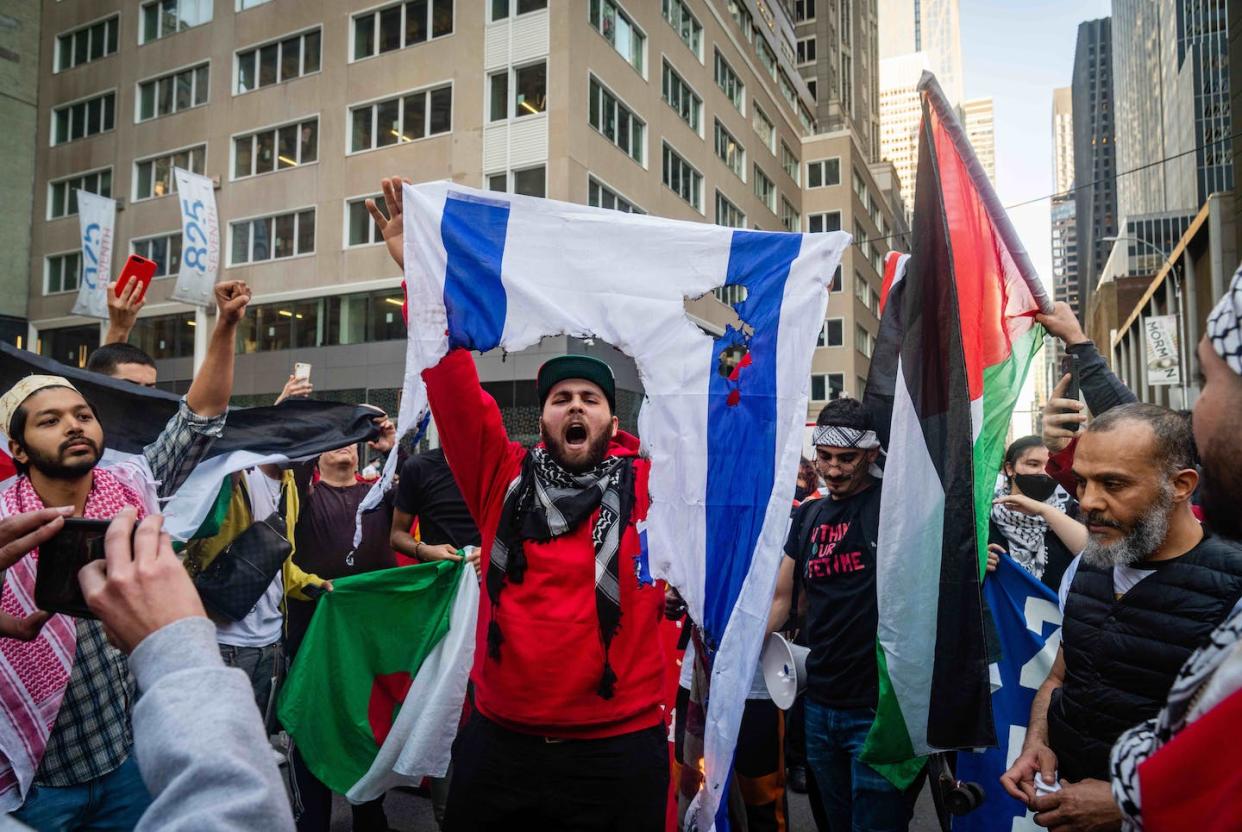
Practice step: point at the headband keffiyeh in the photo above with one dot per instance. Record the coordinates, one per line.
(839, 436)
(1224, 325)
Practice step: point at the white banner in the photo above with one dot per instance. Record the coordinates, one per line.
(97, 220)
(1164, 364)
(200, 239)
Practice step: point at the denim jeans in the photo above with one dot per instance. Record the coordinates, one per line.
(114, 801)
(856, 798)
(262, 665)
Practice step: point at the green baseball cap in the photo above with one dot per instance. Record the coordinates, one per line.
(556, 370)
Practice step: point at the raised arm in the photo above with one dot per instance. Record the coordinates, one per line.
(213, 384)
(123, 311)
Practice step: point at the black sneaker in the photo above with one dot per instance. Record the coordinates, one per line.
(796, 779)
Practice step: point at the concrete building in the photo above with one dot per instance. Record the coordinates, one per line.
(19, 78)
(1095, 166)
(930, 26)
(838, 56)
(1062, 139)
(691, 109)
(979, 123)
(900, 114)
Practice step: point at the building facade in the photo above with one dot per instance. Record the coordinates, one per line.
(1062, 140)
(979, 123)
(691, 109)
(1095, 167)
(900, 115)
(929, 26)
(19, 112)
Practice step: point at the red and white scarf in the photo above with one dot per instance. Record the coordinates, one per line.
(34, 674)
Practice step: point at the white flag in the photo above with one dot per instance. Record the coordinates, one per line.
(97, 219)
(200, 238)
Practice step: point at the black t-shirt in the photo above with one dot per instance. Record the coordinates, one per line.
(832, 543)
(428, 491)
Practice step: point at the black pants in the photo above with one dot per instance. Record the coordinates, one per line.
(504, 780)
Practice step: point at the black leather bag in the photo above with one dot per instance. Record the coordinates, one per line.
(239, 575)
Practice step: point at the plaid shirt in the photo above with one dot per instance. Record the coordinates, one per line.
(92, 735)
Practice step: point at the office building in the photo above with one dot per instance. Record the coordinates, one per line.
(1095, 166)
(687, 108)
(900, 113)
(979, 124)
(1062, 140)
(930, 26)
(19, 112)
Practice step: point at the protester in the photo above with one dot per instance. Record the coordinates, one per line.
(71, 766)
(1148, 589)
(1189, 778)
(1032, 517)
(125, 362)
(123, 309)
(583, 746)
(830, 553)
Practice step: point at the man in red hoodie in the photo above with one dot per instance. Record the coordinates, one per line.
(567, 731)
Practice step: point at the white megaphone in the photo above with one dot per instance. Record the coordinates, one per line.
(784, 670)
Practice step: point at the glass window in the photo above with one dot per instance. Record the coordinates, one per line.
(275, 237)
(681, 177)
(278, 61)
(789, 162)
(685, 25)
(728, 214)
(616, 122)
(416, 21)
(62, 272)
(832, 334)
(728, 82)
(830, 221)
(63, 194)
(83, 118)
(498, 182)
(89, 43)
(619, 30)
(827, 386)
(763, 126)
(362, 229)
(789, 217)
(499, 91)
(765, 190)
(165, 336)
(172, 93)
(806, 50)
(823, 173)
(678, 95)
(530, 182)
(165, 250)
(161, 18)
(154, 176)
(414, 116)
(396, 27)
(730, 151)
(530, 90)
(69, 345)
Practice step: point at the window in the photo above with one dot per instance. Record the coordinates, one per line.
(766, 57)
(530, 92)
(685, 25)
(62, 196)
(812, 87)
(84, 118)
(789, 217)
(358, 318)
(823, 172)
(617, 28)
(678, 95)
(272, 238)
(763, 126)
(527, 182)
(70, 344)
(837, 281)
(172, 93)
(165, 250)
(804, 10)
(832, 334)
(278, 61)
(414, 116)
(504, 8)
(242, 5)
(826, 387)
(161, 18)
(728, 82)
(860, 187)
(61, 272)
(765, 190)
(165, 336)
(89, 43)
(361, 230)
(864, 341)
(681, 177)
(790, 163)
(728, 214)
(601, 196)
(806, 50)
(154, 177)
(277, 148)
(401, 25)
(616, 122)
(861, 290)
(830, 221)
(730, 152)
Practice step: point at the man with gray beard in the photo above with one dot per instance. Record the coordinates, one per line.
(1146, 592)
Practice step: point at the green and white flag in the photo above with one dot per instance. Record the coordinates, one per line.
(376, 642)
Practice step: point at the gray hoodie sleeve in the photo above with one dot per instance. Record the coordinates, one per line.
(199, 739)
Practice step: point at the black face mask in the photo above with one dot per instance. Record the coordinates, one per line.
(1036, 486)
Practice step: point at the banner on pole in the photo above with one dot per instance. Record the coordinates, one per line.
(1164, 365)
(200, 239)
(97, 220)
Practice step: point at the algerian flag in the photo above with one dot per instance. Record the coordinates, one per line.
(376, 641)
(956, 339)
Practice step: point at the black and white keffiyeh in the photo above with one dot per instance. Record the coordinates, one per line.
(840, 436)
(1218, 665)
(1224, 324)
(545, 501)
(1025, 532)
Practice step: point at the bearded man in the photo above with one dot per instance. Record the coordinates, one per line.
(1146, 592)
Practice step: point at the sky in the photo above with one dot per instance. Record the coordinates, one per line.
(1018, 52)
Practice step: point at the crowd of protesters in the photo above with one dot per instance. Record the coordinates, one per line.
(153, 715)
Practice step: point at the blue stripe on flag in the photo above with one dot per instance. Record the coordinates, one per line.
(742, 426)
(473, 233)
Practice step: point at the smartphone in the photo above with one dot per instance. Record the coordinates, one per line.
(1069, 364)
(137, 268)
(61, 558)
(301, 371)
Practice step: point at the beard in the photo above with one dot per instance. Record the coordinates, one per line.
(55, 467)
(596, 450)
(1139, 543)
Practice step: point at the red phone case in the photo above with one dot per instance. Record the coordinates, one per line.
(138, 268)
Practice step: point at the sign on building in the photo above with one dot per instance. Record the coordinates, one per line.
(1164, 364)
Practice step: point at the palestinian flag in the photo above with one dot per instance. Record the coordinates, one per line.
(376, 641)
(956, 338)
(133, 417)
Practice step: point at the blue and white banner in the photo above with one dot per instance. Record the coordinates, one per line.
(200, 239)
(97, 220)
(487, 270)
(1028, 620)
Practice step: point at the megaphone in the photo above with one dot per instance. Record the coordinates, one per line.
(784, 670)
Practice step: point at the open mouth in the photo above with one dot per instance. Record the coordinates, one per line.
(576, 435)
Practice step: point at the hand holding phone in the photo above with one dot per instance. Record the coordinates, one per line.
(1069, 366)
(140, 269)
(78, 543)
(301, 371)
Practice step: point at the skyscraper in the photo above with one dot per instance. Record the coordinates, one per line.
(900, 112)
(979, 122)
(1062, 140)
(930, 26)
(1095, 167)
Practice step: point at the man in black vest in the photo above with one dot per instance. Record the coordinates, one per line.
(1146, 592)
